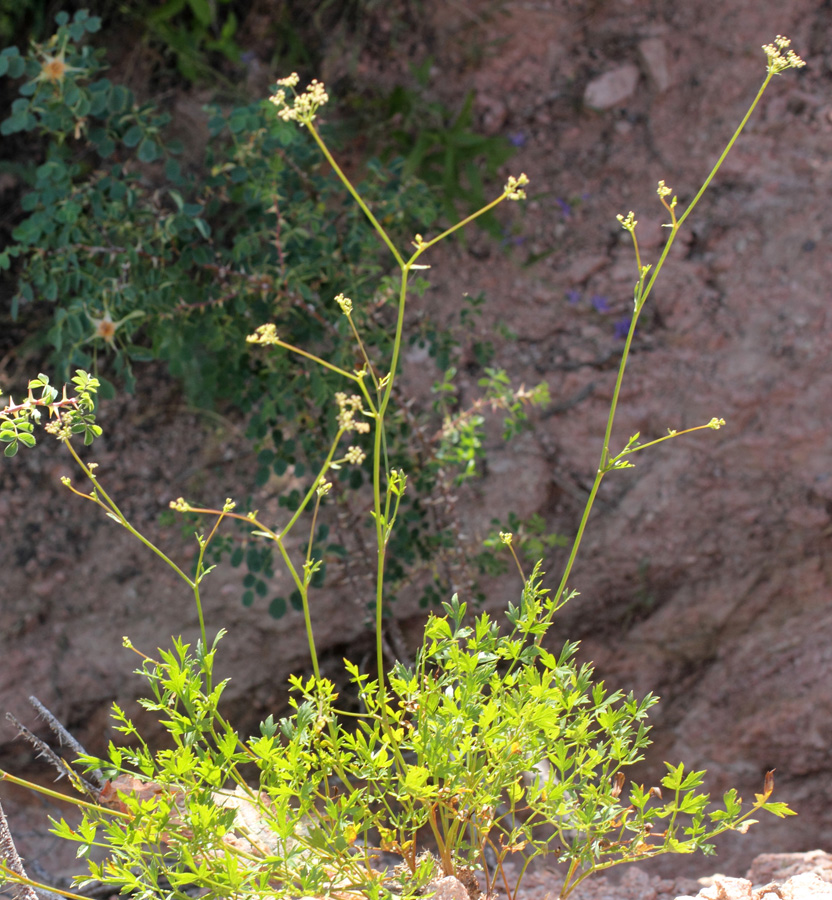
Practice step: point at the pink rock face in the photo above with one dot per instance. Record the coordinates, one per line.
(706, 571)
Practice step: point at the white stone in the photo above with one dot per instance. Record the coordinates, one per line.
(653, 52)
(611, 88)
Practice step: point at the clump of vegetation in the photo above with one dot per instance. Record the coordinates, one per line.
(137, 254)
(488, 734)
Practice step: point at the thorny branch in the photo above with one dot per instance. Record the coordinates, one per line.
(10, 856)
(44, 751)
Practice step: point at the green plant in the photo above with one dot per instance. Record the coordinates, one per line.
(140, 256)
(192, 29)
(487, 735)
(443, 148)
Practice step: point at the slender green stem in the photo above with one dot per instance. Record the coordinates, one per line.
(315, 485)
(111, 509)
(461, 224)
(44, 890)
(367, 363)
(56, 795)
(355, 195)
(642, 292)
(200, 571)
(316, 359)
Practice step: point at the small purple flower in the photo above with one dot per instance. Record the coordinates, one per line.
(517, 139)
(621, 328)
(565, 208)
(573, 296)
(600, 303)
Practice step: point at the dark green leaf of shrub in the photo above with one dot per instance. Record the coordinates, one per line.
(173, 170)
(319, 576)
(99, 94)
(17, 66)
(106, 389)
(296, 600)
(248, 598)
(132, 136)
(253, 560)
(105, 146)
(277, 608)
(119, 100)
(238, 121)
(148, 151)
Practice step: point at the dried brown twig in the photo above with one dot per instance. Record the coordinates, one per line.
(91, 787)
(10, 859)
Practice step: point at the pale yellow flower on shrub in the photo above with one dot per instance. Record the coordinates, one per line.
(355, 455)
(302, 107)
(105, 328)
(345, 303)
(264, 334)
(60, 427)
(53, 68)
(777, 61)
(290, 80)
(628, 222)
(514, 187)
(347, 408)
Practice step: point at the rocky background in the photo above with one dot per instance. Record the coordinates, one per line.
(705, 575)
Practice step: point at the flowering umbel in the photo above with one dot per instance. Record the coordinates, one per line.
(299, 107)
(264, 334)
(514, 187)
(347, 408)
(777, 61)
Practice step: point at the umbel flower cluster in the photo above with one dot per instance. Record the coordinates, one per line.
(302, 107)
(777, 62)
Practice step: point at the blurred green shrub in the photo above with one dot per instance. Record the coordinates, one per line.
(144, 252)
